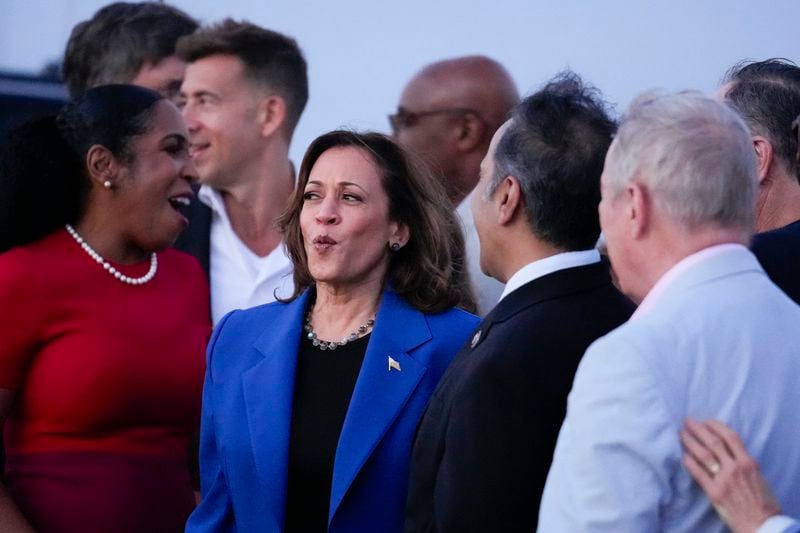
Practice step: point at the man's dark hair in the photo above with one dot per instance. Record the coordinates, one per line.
(271, 60)
(766, 94)
(119, 40)
(555, 146)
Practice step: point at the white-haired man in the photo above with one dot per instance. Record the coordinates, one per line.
(712, 338)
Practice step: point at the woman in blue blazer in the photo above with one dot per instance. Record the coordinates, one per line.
(310, 405)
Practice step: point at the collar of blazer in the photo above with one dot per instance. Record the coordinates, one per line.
(378, 397)
(554, 285)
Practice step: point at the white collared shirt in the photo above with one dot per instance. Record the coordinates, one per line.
(239, 278)
(548, 265)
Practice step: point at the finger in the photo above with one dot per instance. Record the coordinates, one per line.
(729, 437)
(699, 452)
(698, 472)
(710, 441)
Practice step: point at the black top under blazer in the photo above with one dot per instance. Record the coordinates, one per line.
(485, 443)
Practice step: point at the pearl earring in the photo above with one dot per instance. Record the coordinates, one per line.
(107, 184)
(395, 246)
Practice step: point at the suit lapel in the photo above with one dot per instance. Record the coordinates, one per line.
(268, 394)
(381, 390)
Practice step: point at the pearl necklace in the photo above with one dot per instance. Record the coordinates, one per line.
(332, 345)
(106, 265)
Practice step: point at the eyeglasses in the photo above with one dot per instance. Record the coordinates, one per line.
(408, 119)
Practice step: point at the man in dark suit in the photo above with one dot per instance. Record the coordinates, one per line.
(766, 94)
(484, 446)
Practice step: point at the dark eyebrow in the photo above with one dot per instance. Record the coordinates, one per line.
(341, 184)
(350, 183)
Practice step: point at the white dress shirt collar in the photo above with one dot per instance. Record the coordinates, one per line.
(238, 277)
(548, 265)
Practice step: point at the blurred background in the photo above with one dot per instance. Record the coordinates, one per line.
(361, 53)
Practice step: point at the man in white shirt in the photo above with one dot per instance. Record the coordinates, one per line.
(712, 338)
(245, 88)
(447, 114)
(485, 443)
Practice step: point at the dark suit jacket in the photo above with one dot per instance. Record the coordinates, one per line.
(778, 251)
(196, 239)
(485, 443)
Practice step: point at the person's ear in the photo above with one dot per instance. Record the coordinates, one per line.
(102, 166)
(638, 208)
(471, 132)
(508, 199)
(399, 234)
(271, 114)
(764, 156)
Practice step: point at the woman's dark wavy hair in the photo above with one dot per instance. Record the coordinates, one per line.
(429, 271)
(43, 179)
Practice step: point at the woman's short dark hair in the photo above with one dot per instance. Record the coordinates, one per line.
(429, 271)
(43, 180)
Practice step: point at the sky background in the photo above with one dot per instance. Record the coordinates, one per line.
(361, 53)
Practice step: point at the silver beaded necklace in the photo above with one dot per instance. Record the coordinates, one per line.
(332, 345)
(108, 267)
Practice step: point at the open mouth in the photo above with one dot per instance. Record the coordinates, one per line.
(181, 203)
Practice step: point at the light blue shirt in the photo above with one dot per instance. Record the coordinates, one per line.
(719, 341)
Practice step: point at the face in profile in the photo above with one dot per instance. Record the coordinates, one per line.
(611, 212)
(221, 112)
(154, 186)
(483, 212)
(345, 219)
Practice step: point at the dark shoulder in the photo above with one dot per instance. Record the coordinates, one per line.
(768, 240)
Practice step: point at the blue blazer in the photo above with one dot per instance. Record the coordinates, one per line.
(247, 411)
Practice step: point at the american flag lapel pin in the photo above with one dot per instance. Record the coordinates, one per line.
(393, 364)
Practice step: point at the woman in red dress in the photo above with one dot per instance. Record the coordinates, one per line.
(102, 328)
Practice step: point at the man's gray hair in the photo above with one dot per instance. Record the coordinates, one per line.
(693, 154)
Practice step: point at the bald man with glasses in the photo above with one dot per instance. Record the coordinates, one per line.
(448, 113)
